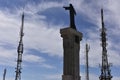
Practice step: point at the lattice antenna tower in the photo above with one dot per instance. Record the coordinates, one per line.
(87, 63)
(105, 67)
(4, 74)
(20, 52)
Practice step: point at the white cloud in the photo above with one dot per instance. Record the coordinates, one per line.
(32, 58)
(43, 38)
(52, 77)
(91, 76)
(95, 53)
(33, 8)
(46, 38)
(38, 36)
(48, 66)
(6, 58)
(114, 58)
(91, 9)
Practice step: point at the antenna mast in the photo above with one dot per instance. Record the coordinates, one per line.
(105, 68)
(4, 74)
(87, 63)
(20, 52)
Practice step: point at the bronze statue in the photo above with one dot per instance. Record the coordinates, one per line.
(72, 14)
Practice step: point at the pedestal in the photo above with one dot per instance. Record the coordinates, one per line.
(71, 47)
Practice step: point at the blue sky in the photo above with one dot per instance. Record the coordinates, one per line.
(43, 51)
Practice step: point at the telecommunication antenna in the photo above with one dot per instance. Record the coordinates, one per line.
(105, 68)
(20, 52)
(87, 63)
(4, 74)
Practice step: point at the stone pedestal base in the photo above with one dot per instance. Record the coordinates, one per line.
(71, 46)
(70, 77)
(67, 77)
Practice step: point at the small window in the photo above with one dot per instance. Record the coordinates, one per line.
(77, 39)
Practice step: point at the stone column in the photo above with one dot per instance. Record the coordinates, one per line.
(71, 47)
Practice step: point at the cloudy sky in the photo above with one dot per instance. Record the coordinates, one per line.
(43, 51)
